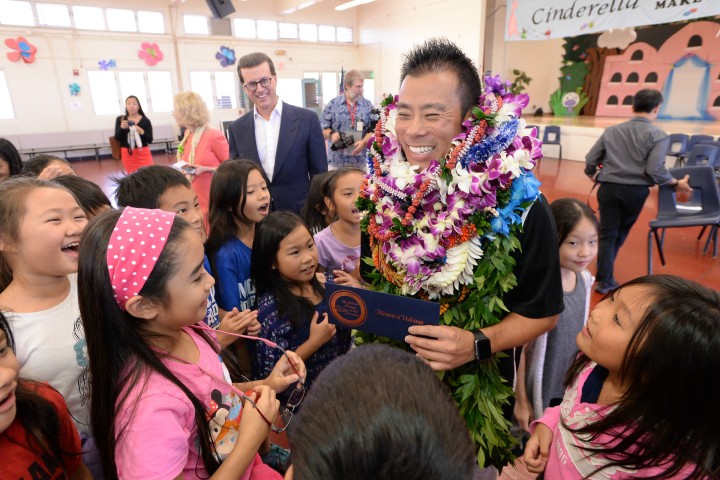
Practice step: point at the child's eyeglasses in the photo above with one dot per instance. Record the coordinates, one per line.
(297, 395)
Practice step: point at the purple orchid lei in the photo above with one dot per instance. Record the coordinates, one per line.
(433, 246)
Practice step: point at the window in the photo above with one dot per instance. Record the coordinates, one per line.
(633, 78)
(628, 100)
(121, 20)
(104, 93)
(161, 91)
(290, 90)
(308, 32)
(716, 103)
(330, 86)
(133, 83)
(267, 30)
(288, 30)
(16, 13)
(150, 22)
(6, 109)
(695, 41)
(651, 77)
(616, 78)
(53, 15)
(225, 90)
(326, 33)
(201, 83)
(344, 35)
(612, 100)
(244, 28)
(196, 24)
(88, 18)
(637, 55)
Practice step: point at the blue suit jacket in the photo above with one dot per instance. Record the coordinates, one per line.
(300, 153)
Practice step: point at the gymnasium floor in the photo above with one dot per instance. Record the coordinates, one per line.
(560, 179)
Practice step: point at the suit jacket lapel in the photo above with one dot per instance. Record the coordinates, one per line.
(288, 131)
(247, 133)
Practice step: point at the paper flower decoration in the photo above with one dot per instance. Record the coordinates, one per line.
(150, 52)
(74, 89)
(226, 55)
(23, 49)
(107, 64)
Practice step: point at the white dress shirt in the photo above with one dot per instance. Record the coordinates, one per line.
(267, 133)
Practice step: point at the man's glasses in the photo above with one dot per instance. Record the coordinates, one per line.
(263, 82)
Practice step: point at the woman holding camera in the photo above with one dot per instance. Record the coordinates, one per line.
(134, 132)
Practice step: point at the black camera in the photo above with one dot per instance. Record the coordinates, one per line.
(343, 142)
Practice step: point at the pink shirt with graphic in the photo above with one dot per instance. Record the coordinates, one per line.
(566, 458)
(156, 435)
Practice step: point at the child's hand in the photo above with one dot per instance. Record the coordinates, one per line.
(283, 375)
(237, 322)
(50, 172)
(537, 448)
(321, 332)
(523, 412)
(344, 278)
(251, 422)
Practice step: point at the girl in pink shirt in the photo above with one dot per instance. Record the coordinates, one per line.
(163, 405)
(642, 399)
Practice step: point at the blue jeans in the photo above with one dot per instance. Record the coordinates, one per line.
(620, 207)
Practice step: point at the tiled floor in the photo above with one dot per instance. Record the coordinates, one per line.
(560, 179)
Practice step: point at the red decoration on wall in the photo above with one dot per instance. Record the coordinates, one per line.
(23, 50)
(150, 52)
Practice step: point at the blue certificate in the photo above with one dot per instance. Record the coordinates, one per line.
(379, 313)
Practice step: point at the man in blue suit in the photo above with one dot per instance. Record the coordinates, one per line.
(285, 140)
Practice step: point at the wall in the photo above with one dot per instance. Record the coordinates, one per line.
(387, 29)
(540, 60)
(40, 94)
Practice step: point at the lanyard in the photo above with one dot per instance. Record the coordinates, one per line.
(352, 113)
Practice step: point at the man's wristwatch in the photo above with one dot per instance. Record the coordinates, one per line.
(483, 351)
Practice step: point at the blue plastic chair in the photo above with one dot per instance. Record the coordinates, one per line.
(702, 179)
(678, 147)
(702, 154)
(551, 136)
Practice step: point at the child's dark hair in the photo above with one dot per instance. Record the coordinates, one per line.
(10, 154)
(567, 213)
(34, 166)
(228, 194)
(89, 196)
(117, 341)
(144, 187)
(36, 414)
(330, 185)
(13, 193)
(313, 213)
(268, 235)
(404, 427)
(668, 416)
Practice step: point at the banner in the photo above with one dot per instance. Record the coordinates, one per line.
(543, 19)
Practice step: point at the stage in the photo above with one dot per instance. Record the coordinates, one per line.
(579, 134)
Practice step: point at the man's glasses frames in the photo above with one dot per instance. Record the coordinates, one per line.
(263, 82)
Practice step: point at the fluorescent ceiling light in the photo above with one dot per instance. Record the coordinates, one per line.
(351, 4)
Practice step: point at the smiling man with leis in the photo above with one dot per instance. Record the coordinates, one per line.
(454, 215)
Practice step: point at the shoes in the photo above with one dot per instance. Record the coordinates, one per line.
(605, 287)
(276, 458)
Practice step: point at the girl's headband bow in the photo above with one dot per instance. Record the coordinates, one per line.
(134, 248)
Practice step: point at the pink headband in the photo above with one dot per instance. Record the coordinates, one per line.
(135, 245)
